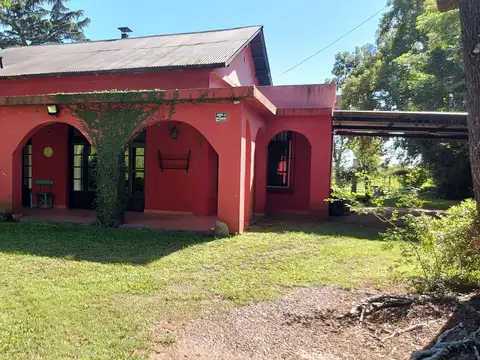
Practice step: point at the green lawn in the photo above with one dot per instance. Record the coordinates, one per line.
(90, 293)
(428, 203)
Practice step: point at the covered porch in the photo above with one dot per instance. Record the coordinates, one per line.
(132, 219)
(226, 154)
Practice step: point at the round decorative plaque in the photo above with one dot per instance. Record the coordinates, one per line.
(48, 152)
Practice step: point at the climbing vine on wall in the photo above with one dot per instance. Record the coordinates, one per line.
(111, 120)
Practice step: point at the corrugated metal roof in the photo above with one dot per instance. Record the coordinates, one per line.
(190, 50)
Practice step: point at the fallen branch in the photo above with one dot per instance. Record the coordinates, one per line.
(372, 304)
(402, 331)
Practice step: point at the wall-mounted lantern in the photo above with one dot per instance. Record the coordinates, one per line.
(174, 132)
(52, 109)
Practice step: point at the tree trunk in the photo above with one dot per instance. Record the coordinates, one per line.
(470, 20)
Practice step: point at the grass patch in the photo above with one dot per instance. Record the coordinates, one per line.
(84, 292)
(428, 203)
(168, 338)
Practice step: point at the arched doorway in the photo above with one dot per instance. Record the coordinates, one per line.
(288, 173)
(171, 168)
(59, 155)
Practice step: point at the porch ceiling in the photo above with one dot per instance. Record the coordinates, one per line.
(249, 94)
(436, 125)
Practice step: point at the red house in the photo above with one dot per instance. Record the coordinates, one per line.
(266, 150)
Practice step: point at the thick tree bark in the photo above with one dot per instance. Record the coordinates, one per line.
(470, 20)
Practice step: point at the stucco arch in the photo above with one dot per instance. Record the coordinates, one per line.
(200, 117)
(180, 173)
(271, 134)
(294, 172)
(29, 128)
(45, 124)
(161, 122)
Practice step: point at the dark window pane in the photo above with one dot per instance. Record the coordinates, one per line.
(77, 133)
(92, 161)
(141, 137)
(92, 186)
(278, 163)
(138, 183)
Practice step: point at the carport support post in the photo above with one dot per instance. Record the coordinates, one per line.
(231, 180)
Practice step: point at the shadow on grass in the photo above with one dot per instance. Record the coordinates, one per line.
(342, 226)
(88, 243)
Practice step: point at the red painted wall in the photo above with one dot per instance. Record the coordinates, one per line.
(318, 130)
(241, 70)
(301, 96)
(194, 191)
(55, 167)
(182, 79)
(212, 188)
(298, 200)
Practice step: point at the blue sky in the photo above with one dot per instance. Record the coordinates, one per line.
(294, 30)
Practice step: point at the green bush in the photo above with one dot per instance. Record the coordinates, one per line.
(446, 249)
(6, 216)
(414, 178)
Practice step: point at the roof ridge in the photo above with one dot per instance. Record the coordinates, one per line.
(138, 37)
(153, 47)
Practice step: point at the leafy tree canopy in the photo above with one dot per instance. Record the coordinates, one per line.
(415, 65)
(35, 22)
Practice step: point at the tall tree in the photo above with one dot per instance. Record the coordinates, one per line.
(470, 20)
(35, 22)
(470, 25)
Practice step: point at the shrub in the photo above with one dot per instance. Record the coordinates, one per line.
(446, 248)
(414, 178)
(6, 216)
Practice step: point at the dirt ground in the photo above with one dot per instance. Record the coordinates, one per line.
(305, 325)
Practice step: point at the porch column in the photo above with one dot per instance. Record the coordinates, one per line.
(320, 176)
(249, 152)
(260, 178)
(231, 181)
(10, 182)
